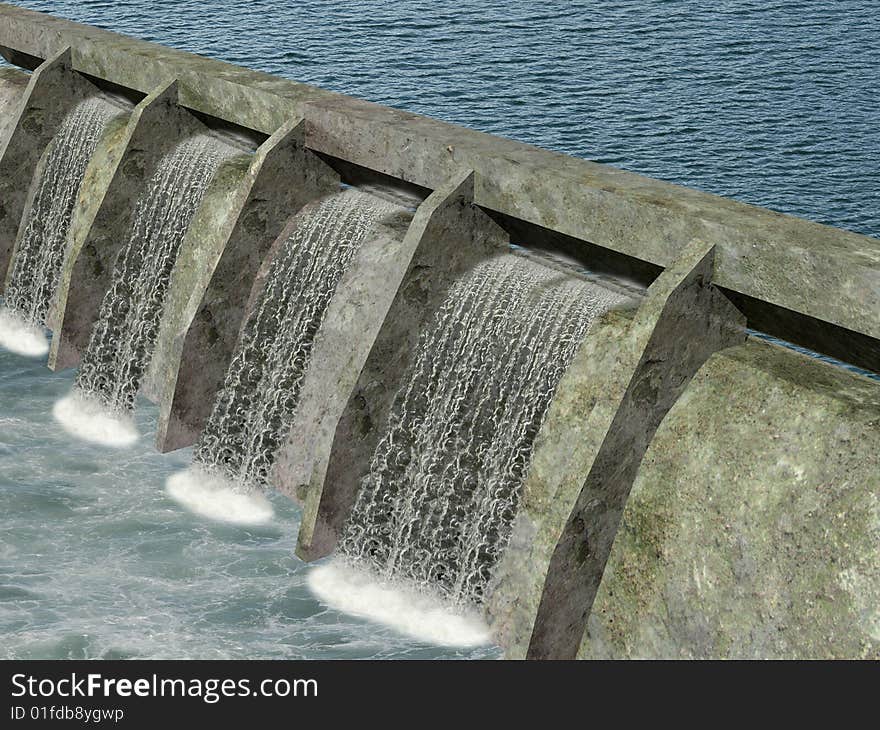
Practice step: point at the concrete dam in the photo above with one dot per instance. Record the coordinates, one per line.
(610, 416)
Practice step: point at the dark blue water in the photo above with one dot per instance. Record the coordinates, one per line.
(775, 103)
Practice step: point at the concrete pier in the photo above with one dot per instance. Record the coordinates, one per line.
(52, 91)
(220, 257)
(155, 128)
(449, 235)
(751, 530)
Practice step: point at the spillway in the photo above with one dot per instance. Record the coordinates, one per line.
(125, 333)
(260, 393)
(575, 411)
(443, 485)
(42, 242)
(257, 403)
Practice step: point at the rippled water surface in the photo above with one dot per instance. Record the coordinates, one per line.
(775, 103)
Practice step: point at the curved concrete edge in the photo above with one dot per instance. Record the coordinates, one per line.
(565, 445)
(52, 91)
(215, 281)
(448, 236)
(110, 131)
(625, 377)
(201, 248)
(360, 306)
(99, 173)
(683, 320)
(103, 217)
(753, 525)
(351, 324)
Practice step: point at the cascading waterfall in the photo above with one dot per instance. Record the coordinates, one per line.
(36, 268)
(123, 338)
(121, 342)
(258, 401)
(437, 504)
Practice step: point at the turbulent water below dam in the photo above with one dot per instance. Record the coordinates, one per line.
(97, 561)
(766, 101)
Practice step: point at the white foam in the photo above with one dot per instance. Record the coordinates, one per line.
(86, 418)
(216, 498)
(20, 336)
(401, 607)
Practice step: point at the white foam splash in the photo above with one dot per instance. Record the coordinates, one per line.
(21, 337)
(214, 497)
(394, 604)
(86, 418)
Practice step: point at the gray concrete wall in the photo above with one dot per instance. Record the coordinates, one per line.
(13, 84)
(351, 326)
(753, 525)
(52, 92)
(285, 177)
(819, 284)
(351, 323)
(244, 211)
(449, 236)
(625, 378)
(109, 133)
(102, 221)
(683, 320)
(202, 245)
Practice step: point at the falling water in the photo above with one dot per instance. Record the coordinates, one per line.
(122, 341)
(258, 400)
(442, 490)
(36, 267)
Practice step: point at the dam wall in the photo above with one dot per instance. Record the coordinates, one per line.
(693, 491)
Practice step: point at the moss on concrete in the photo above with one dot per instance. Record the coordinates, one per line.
(626, 376)
(243, 213)
(448, 236)
(99, 173)
(102, 220)
(563, 450)
(753, 527)
(51, 93)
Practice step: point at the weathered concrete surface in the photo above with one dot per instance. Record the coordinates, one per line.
(199, 251)
(13, 84)
(351, 325)
(98, 176)
(103, 218)
(564, 449)
(53, 90)
(831, 278)
(753, 526)
(449, 236)
(623, 380)
(226, 245)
